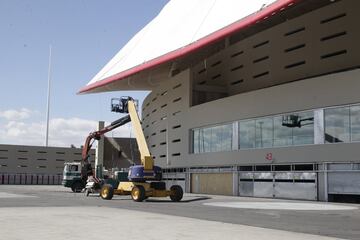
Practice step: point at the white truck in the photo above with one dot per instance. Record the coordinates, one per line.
(72, 176)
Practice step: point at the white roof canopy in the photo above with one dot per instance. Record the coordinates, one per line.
(180, 24)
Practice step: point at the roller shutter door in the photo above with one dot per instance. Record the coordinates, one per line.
(344, 179)
(289, 185)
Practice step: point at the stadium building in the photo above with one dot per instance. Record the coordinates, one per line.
(249, 98)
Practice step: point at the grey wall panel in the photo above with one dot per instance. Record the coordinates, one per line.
(246, 189)
(344, 182)
(295, 190)
(263, 189)
(120, 153)
(300, 154)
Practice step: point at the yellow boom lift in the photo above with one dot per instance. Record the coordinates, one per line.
(145, 179)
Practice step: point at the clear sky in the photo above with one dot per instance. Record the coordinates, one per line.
(85, 35)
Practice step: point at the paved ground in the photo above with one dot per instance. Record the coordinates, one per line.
(43, 212)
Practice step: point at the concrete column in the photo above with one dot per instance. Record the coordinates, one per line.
(99, 157)
(322, 182)
(235, 181)
(187, 180)
(326, 182)
(235, 138)
(319, 131)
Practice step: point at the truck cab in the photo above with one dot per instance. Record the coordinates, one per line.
(72, 176)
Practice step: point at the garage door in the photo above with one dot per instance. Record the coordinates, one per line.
(344, 179)
(212, 183)
(289, 185)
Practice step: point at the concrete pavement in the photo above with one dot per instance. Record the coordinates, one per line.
(59, 223)
(39, 212)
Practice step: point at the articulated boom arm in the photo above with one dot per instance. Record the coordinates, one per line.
(146, 159)
(97, 135)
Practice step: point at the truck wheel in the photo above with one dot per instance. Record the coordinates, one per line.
(138, 193)
(77, 187)
(107, 192)
(176, 193)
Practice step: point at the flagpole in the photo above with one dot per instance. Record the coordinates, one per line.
(48, 100)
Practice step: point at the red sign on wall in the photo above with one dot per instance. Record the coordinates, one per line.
(269, 156)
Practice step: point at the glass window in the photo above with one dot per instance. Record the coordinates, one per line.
(226, 139)
(73, 168)
(304, 133)
(287, 130)
(206, 139)
(264, 132)
(355, 123)
(263, 168)
(282, 134)
(247, 134)
(282, 167)
(337, 125)
(294, 129)
(216, 139)
(212, 139)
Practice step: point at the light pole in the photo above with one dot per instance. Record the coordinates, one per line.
(48, 101)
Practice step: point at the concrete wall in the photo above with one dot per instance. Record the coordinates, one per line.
(17, 159)
(120, 152)
(165, 120)
(324, 91)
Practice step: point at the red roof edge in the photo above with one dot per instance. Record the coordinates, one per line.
(267, 12)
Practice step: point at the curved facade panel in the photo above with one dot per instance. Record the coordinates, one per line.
(164, 113)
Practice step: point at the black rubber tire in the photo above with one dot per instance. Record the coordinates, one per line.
(87, 192)
(138, 193)
(76, 187)
(176, 193)
(107, 192)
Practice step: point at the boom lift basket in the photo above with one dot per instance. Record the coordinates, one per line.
(120, 105)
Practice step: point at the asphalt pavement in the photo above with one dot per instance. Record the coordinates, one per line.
(43, 212)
